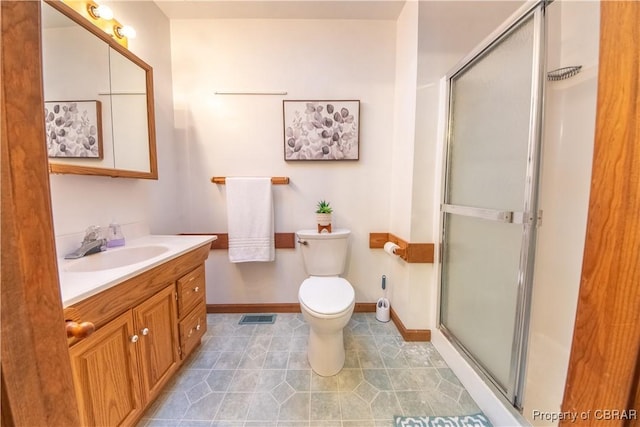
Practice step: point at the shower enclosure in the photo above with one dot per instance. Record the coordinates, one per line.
(489, 210)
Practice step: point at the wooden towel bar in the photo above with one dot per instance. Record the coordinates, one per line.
(275, 180)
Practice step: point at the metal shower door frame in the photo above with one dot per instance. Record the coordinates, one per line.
(528, 217)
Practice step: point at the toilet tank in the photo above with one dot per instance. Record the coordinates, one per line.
(324, 254)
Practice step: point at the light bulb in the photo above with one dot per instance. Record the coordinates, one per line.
(128, 31)
(100, 11)
(125, 31)
(105, 12)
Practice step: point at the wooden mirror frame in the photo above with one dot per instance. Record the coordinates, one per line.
(114, 172)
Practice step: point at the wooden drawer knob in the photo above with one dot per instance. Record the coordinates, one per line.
(79, 330)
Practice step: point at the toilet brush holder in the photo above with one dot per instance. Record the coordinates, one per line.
(383, 310)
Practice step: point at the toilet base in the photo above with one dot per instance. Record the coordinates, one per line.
(326, 352)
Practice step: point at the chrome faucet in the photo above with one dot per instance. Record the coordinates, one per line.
(92, 243)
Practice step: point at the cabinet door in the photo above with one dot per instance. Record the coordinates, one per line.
(156, 324)
(105, 374)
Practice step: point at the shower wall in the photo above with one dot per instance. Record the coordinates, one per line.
(567, 151)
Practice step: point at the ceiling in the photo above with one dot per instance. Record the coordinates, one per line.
(277, 9)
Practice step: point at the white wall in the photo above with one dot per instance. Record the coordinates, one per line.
(80, 201)
(565, 179)
(406, 290)
(374, 61)
(406, 41)
(243, 135)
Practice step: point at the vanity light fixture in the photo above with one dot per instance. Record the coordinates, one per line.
(97, 11)
(102, 17)
(122, 31)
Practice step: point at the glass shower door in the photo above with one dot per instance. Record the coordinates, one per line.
(489, 203)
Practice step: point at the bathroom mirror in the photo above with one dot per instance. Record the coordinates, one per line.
(99, 116)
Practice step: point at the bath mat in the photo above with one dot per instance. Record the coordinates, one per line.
(259, 319)
(475, 420)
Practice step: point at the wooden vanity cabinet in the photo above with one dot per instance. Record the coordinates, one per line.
(145, 328)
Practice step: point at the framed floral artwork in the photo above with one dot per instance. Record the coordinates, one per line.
(321, 130)
(73, 129)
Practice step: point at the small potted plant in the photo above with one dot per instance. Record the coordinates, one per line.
(323, 216)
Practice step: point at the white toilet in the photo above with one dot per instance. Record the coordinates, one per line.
(326, 300)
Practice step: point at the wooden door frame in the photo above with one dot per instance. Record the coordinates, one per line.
(604, 362)
(37, 386)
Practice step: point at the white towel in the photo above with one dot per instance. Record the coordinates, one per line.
(250, 219)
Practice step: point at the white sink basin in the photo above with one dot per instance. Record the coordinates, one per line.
(115, 258)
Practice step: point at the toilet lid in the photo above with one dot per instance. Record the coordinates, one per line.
(326, 295)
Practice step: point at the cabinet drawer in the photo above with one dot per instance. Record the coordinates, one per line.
(192, 328)
(191, 289)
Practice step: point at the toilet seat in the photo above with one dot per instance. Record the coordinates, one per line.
(326, 296)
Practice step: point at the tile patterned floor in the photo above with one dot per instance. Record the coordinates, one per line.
(258, 376)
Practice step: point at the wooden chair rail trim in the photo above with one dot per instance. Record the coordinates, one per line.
(275, 180)
(410, 252)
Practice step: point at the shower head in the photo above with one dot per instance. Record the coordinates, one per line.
(563, 73)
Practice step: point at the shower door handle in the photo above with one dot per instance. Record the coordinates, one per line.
(509, 217)
(483, 213)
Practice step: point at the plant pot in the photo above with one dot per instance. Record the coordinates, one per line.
(323, 218)
(324, 222)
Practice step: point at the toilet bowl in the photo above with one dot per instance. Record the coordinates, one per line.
(326, 300)
(327, 304)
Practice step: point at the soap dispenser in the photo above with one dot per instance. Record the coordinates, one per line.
(114, 236)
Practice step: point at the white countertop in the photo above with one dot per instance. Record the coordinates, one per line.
(76, 286)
